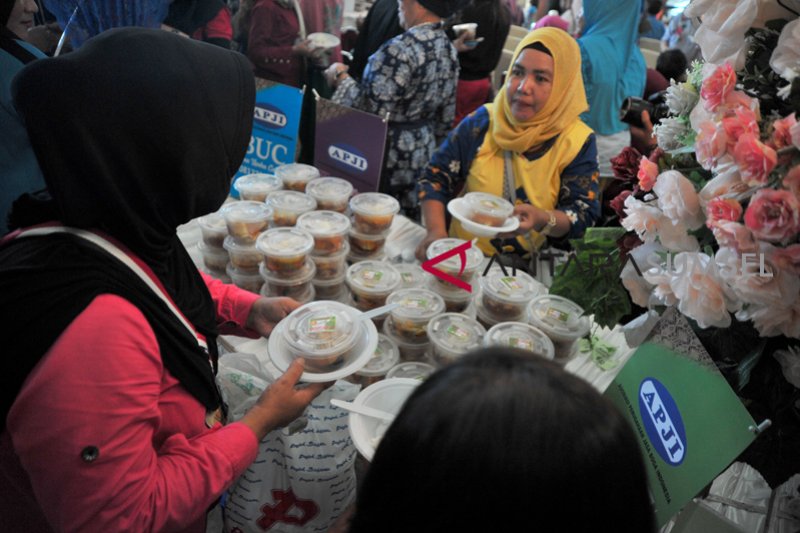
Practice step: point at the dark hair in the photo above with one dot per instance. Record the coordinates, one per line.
(672, 64)
(538, 46)
(654, 6)
(501, 440)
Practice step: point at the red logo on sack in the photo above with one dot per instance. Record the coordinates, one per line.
(461, 251)
(286, 501)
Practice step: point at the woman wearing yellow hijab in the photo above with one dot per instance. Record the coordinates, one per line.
(530, 136)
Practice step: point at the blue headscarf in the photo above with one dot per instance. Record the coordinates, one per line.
(612, 65)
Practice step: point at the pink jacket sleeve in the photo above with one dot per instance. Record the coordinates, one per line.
(110, 440)
(232, 305)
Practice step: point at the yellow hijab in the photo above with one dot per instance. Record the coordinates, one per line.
(567, 98)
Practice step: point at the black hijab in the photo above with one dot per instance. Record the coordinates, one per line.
(188, 15)
(137, 132)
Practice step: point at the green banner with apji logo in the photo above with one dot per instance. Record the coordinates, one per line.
(690, 423)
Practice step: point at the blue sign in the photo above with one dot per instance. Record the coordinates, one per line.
(662, 421)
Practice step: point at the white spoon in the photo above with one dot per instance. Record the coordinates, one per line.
(363, 410)
(378, 311)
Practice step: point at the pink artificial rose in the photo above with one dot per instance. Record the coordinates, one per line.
(773, 215)
(755, 159)
(618, 203)
(720, 209)
(788, 258)
(710, 145)
(791, 180)
(648, 172)
(734, 235)
(736, 99)
(794, 133)
(718, 86)
(781, 132)
(742, 120)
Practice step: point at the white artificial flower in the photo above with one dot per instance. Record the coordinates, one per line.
(669, 132)
(702, 295)
(721, 36)
(675, 236)
(638, 289)
(727, 182)
(785, 60)
(773, 320)
(643, 218)
(681, 98)
(678, 199)
(755, 279)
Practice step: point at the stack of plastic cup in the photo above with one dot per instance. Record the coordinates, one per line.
(411, 275)
(373, 214)
(452, 335)
(288, 268)
(329, 230)
(504, 296)
(371, 283)
(287, 206)
(386, 357)
(520, 335)
(213, 231)
(295, 176)
(256, 187)
(560, 319)
(245, 221)
(407, 323)
(331, 194)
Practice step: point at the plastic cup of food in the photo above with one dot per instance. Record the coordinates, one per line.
(452, 265)
(411, 370)
(303, 293)
(488, 209)
(366, 244)
(295, 176)
(373, 212)
(371, 282)
(288, 205)
(244, 257)
(328, 228)
(409, 351)
(332, 266)
(456, 299)
(412, 275)
(213, 229)
(285, 250)
(331, 193)
(323, 333)
(505, 295)
(257, 187)
(416, 307)
(298, 286)
(245, 280)
(560, 319)
(522, 336)
(386, 356)
(214, 259)
(481, 315)
(465, 27)
(331, 289)
(452, 335)
(246, 220)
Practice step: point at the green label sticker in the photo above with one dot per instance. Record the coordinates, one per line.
(407, 277)
(322, 325)
(557, 314)
(511, 283)
(415, 303)
(517, 342)
(378, 351)
(372, 276)
(457, 332)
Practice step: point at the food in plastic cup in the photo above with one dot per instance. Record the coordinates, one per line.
(295, 176)
(371, 282)
(213, 229)
(366, 243)
(452, 335)
(332, 266)
(246, 220)
(285, 250)
(331, 289)
(297, 286)
(412, 275)
(409, 351)
(411, 370)
(452, 265)
(416, 307)
(331, 193)
(560, 319)
(328, 228)
(244, 257)
(323, 333)
(505, 295)
(386, 356)
(522, 336)
(355, 257)
(257, 187)
(245, 280)
(488, 209)
(456, 299)
(373, 212)
(303, 293)
(214, 259)
(466, 26)
(481, 315)
(288, 205)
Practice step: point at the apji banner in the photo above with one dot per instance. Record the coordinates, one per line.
(349, 144)
(690, 423)
(276, 121)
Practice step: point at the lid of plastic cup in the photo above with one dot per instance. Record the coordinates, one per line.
(386, 355)
(285, 242)
(516, 288)
(373, 277)
(330, 282)
(489, 203)
(520, 335)
(302, 275)
(213, 221)
(231, 245)
(258, 183)
(236, 274)
(323, 223)
(411, 275)
(473, 254)
(294, 201)
(322, 328)
(296, 172)
(558, 316)
(455, 332)
(374, 203)
(329, 188)
(411, 369)
(246, 210)
(417, 304)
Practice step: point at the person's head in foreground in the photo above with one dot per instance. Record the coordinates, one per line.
(503, 440)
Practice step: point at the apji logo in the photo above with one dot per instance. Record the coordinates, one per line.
(662, 421)
(285, 502)
(269, 116)
(347, 157)
(461, 251)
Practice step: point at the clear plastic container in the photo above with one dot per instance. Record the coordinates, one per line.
(452, 265)
(488, 209)
(522, 336)
(244, 257)
(285, 250)
(371, 282)
(409, 351)
(412, 275)
(482, 315)
(288, 205)
(373, 212)
(332, 266)
(213, 229)
(257, 187)
(386, 356)
(214, 259)
(330, 193)
(295, 176)
(245, 280)
(452, 335)
(366, 244)
(412, 370)
(456, 299)
(298, 286)
(416, 308)
(354, 257)
(560, 319)
(303, 293)
(246, 220)
(323, 333)
(328, 228)
(505, 297)
(331, 289)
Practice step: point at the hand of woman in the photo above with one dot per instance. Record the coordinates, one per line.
(422, 247)
(334, 73)
(267, 312)
(302, 47)
(529, 216)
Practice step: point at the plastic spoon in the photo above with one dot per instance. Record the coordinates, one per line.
(363, 410)
(378, 311)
